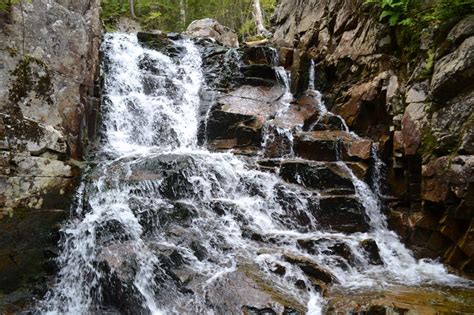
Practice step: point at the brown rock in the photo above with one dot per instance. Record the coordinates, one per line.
(299, 112)
(412, 124)
(317, 175)
(311, 269)
(360, 149)
(357, 95)
(444, 175)
(398, 142)
(453, 72)
(452, 228)
(466, 244)
(263, 55)
(342, 213)
(331, 146)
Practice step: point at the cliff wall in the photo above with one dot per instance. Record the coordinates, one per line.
(420, 111)
(49, 56)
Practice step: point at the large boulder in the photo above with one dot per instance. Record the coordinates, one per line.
(213, 29)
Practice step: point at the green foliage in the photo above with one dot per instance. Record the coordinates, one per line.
(411, 18)
(176, 15)
(421, 13)
(5, 5)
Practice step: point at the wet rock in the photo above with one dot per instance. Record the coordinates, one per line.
(212, 29)
(331, 146)
(361, 149)
(295, 215)
(417, 120)
(326, 122)
(372, 251)
(249, 310)
(341, 213)
(246, 290)
(118, 265)
(278, 143)
(299, 112)
(319, 276)
(248, 100)
(26, 239)
(176, 186)
(220, 64)
(222, 124)
(320, 146)
(159, 41)
(328, 247)
(315, 175)
(240, 115)
(261, 55)
(259, 75)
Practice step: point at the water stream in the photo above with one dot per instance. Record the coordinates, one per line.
(163, 226)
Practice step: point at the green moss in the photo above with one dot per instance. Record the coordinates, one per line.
(429, 64)
(23, 129)
(428, 144)
(30, 75)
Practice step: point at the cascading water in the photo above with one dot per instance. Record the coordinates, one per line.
(162, 226)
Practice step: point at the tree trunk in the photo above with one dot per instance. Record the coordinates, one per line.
(132, 9)
(258, 16)
(182, 12)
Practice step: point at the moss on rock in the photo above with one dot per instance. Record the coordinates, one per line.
(30, 75)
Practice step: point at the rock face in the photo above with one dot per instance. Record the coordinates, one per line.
(48, 114)
(212, 29)
(422, 120)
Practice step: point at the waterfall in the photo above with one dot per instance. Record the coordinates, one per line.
(163, 226)
(312, 71)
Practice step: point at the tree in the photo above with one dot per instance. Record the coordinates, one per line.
(182, 12)
(132, 9)
(258, 17)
